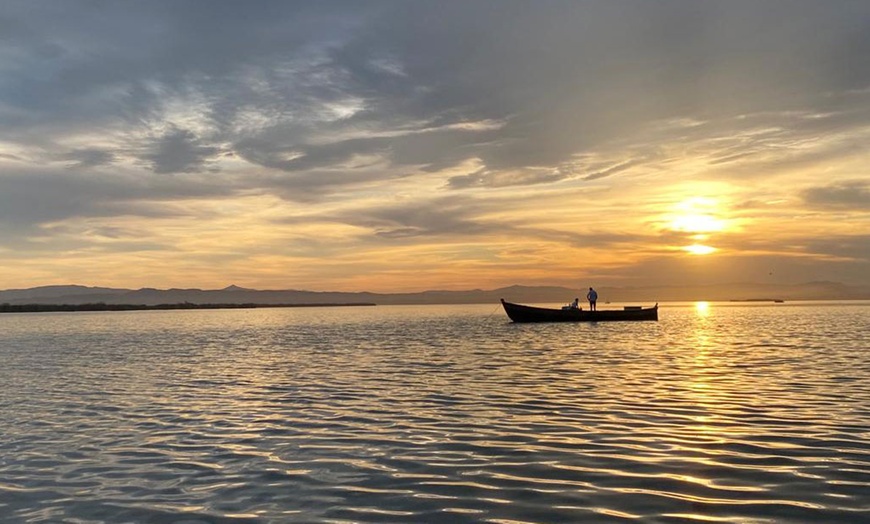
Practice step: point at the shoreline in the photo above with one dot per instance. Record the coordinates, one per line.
(53, 308)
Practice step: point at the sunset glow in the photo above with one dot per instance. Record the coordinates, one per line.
(350, 150)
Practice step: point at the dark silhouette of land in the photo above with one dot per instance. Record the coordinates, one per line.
(102, 306)
(237, 297)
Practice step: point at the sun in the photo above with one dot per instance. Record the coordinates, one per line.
(699, 249)
(697, 218)
(697, 215)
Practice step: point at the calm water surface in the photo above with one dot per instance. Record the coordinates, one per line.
(729, 412)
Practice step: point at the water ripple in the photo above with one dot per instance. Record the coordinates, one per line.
(749, 414)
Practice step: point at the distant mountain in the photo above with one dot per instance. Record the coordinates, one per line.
(10, 295)
(233, 287)
(526, 294)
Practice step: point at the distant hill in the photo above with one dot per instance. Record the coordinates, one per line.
(10, 295)
(74, 294)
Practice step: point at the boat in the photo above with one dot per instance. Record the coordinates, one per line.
(521, 313)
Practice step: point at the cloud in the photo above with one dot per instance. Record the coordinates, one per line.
(614, 169)
(850, 195)
(30, 198)
(418, 122)
(89, 157)
(180, 151)
(461, 219)
(495, 179)
(562, 78)
(443, 216)
(844, 247)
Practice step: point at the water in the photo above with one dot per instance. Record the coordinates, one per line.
(729, 412)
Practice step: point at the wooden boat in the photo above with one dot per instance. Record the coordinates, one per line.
(521, 313)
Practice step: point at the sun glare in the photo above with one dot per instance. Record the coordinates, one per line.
(697, 215)
(699, 249)
(697, 219)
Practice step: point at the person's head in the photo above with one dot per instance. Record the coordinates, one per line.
(590, 289)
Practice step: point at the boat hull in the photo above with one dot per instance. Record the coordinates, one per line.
(521, 313)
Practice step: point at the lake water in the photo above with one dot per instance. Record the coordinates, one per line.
(716, 413)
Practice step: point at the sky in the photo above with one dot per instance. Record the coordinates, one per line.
(410, 145)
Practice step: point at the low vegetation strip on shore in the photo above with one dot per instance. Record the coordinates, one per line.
(48, 308)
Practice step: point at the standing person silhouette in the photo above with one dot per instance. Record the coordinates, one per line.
(592, 297)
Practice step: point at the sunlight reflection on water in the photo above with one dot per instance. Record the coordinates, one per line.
(730, 412)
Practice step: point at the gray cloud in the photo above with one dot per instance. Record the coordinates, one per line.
(304, 157)
(455, 216)
(846, 195)
(855, 247)
(30, 198)
(89, 157)
(179, 151)
(563, 76)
